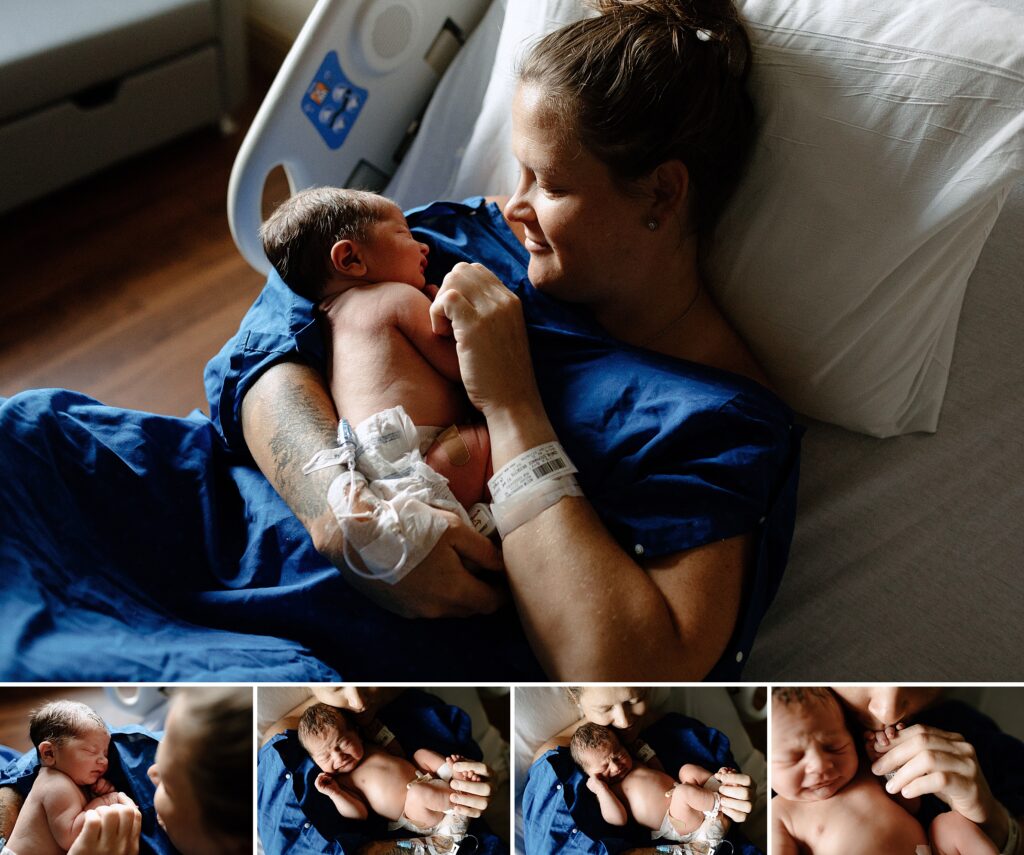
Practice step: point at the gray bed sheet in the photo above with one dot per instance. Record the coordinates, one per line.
(908, 558)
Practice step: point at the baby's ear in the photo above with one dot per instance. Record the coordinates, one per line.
(47, 756)
(347, 258)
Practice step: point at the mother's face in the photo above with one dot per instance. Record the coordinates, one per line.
(583, 233)
(177, 804)
(620, 707)
(876, 707)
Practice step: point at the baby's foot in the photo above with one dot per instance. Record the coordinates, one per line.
(878, 742)
(462, 775)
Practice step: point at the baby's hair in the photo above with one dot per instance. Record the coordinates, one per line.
(588, 737)
(320, 719)
(218, 721)
(59, 721)
(803, 696)
(298, 236)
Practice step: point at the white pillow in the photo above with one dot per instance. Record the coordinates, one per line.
(890, 136)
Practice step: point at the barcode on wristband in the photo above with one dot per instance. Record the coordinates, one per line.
(538, 464)
(548, 468)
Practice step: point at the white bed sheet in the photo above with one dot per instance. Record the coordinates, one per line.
(541, 712)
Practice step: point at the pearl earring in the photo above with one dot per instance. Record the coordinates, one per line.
(652, 225)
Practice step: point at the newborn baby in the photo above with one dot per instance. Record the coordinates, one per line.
(686, 811)
(824, 805)
(352, 253)
(361, 778)
(72, 743)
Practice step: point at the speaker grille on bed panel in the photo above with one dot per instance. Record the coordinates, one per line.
(392, 31)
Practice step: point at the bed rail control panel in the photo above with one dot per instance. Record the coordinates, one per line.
(347, 101)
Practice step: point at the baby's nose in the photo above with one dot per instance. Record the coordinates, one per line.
(818, 761)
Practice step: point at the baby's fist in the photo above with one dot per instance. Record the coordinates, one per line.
(102, 787)
(325, 783)
(595, 784)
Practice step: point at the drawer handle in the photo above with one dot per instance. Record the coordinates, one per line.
(96, 96)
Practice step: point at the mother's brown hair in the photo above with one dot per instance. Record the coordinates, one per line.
(648, 81)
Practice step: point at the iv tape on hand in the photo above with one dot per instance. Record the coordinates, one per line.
(386, 501)
(529, 484)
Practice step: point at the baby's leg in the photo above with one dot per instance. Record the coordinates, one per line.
(463, 456)
(426, 802)
(953, 834)
(688, 805)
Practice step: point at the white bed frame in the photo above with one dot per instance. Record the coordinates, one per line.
(908, 553)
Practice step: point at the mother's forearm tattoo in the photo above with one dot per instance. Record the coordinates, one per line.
(288, 416)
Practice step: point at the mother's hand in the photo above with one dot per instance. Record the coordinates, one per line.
(109, 830)
(927, 760)
(737, 792)
(487, 322)
(469, 797)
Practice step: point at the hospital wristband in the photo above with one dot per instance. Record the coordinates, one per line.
(644, 752)
(535, 465)
(527, 502)
(383, 736)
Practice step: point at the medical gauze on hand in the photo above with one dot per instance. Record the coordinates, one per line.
(387, 509)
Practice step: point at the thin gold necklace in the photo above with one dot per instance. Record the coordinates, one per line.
(678, 318)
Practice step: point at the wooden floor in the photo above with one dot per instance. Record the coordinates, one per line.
(125, 284)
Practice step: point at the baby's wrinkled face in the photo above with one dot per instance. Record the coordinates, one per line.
(336, 751)
(83, 758)
(813, 754)
(608, 762)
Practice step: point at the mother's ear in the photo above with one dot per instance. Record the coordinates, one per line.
(669, 187)
(47, 755)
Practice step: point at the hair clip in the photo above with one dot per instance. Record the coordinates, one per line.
(704, 35)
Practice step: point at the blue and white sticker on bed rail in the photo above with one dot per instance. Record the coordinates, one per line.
(332, 102)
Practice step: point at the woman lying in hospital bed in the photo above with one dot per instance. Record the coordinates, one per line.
(587, 337)
(684, 470)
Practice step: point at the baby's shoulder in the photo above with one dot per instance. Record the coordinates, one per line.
(382, 302)
(55, 787)
(391, 293)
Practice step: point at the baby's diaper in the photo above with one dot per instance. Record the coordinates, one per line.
(703, 840)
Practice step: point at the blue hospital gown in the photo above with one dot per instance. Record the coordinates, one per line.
(143, 547)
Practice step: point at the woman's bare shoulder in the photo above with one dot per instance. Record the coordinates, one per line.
(559, 740)
(289, 721)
